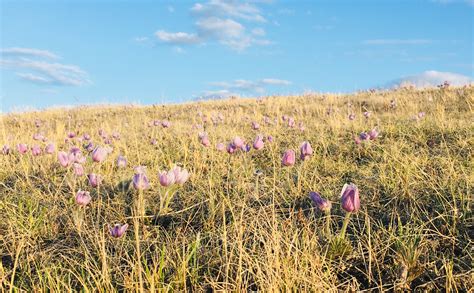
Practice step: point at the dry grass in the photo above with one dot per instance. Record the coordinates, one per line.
(229, 229)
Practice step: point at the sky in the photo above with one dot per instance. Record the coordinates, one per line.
(152, 52)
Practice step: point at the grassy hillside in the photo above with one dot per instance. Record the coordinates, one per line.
(243, 221)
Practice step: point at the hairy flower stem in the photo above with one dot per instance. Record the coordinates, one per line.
(344, 225)
(328, 224)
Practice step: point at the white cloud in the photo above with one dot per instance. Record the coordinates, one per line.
(274, 81)
(28, 52)
(249, 86)
(258, 32)
(218, 94)
(220, 28)
(42, 71)
(397, 42)
(222, 8)
(223, 21)
(431, 78)
(177, 38)
(33, 78)
(141, 39)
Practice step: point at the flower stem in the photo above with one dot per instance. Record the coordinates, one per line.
(328, 224)
(344, 225)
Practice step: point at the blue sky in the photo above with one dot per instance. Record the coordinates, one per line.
(84, 52)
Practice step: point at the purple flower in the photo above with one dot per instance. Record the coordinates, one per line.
(373, 134)
(75, 155)
(367, 114)
(288, 158)
(357, 139)
(89, 147)
(255, 126)
(63, 159)
(270, 139)
(291, 122)
(220, 147)
(83, 198)
(350, 198)
(352, 116)
(231, 148)
(165, 124)
(180, 175)
(258, 143)
(6, 149)
(86, 137)
(99, 154)
(167, 178)
(36, 150)
(140, 181)
(94, 180)
(205, 141)
(238, 142)
(121, 162)
(306, 150)
(364, 136)
(50, 148)
(71, 134)
(78, 169)
(246, 148)
(421, 115)
(153, 141)
(22, 148)
(118, 230)
(322, 204)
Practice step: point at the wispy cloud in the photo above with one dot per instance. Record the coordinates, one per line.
(178, 38)
(32, 65)
(243, 86)
(397, 42)
(223, 21)
(431, 78)
(223, 8)
(28, 52)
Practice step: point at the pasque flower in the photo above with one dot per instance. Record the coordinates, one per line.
(50, 148)
(140, 181)
(63, 159)
(322, 204)
(83, 198)
(258, 143)
(180, 175)
(118, 230)
(36, 150)
(121, 162)
(350, 201)
(288, 158)
(306, 150)
(99, 154)
(238, 142)
(373, 134)
(22, 148)
(94, 179)
(167, 178)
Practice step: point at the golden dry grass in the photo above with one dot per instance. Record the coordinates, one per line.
(233, 230)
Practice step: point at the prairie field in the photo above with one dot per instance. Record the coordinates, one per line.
(239, 218)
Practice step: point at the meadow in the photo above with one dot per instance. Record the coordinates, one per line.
(207, 197)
